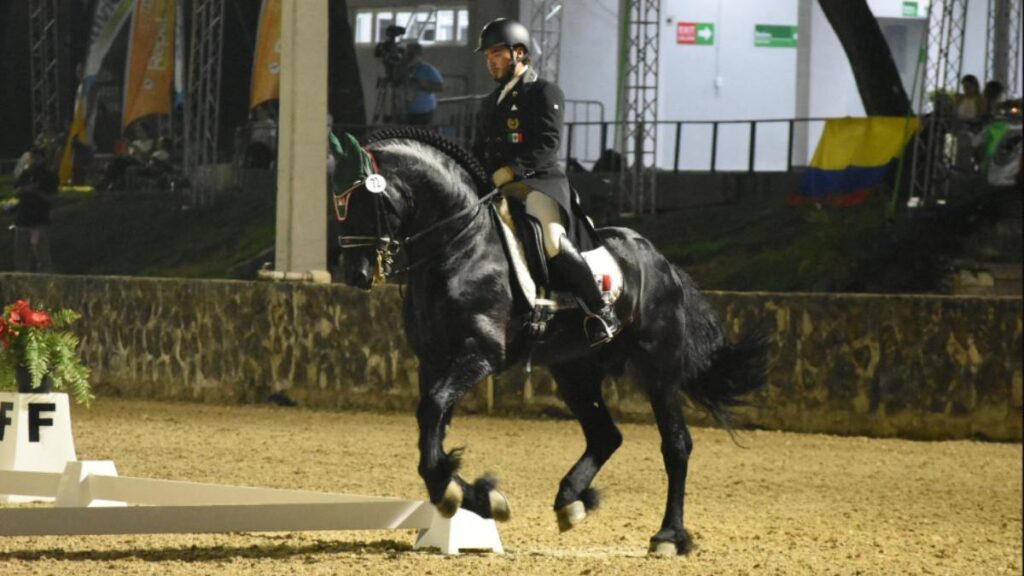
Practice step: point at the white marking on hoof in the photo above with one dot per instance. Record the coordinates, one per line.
(663, 549)
(451, 501)
(571, 515)
(500, 510)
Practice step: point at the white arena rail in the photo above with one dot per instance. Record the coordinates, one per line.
(91, 500)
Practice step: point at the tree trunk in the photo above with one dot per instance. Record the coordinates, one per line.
(878, 80)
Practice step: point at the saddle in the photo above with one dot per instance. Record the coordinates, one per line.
(543, 295)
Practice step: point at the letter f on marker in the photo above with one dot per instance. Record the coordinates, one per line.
(5, 420)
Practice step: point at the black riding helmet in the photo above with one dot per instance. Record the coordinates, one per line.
(503, 31)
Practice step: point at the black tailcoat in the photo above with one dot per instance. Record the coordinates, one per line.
(524, 132)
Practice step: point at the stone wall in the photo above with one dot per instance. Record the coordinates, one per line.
(913, 366)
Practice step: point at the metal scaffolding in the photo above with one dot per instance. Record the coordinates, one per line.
(44, 67)
(638, 105)
(1002, 45)
(546, 33)
(202, 103)
(934, 148)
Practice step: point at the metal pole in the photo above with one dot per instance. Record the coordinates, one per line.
(679, 133)
(714, 146)
(568, 144)
(753, 146)
(789, 154)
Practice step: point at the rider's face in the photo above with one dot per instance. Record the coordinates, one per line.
(499, 61)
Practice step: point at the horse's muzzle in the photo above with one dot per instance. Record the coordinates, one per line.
(359, 275)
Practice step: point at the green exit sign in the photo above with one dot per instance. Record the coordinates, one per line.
(775, 36)
(910, 9)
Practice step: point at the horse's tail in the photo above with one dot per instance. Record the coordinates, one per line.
(735, 370)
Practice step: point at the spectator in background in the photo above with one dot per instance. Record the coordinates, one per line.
(993, 95)
(422, 82)
(107, 129)
(24, 161)
(970, 106)
(34, 190)
(141, 144)
(131, 155)
(261, 151)
(160, 161)
(970, 113)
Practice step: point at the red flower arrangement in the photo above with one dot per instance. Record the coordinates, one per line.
(34, 348)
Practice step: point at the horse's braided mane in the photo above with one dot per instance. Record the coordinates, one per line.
(457, 153)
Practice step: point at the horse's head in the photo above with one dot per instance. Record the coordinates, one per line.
(373, 213)
(370, 219)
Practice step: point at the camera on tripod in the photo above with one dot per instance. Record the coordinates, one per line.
(390, 52)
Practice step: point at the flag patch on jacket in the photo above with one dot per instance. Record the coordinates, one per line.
(515, 137)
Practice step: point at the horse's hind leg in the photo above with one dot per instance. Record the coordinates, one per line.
(579, 384)
(676, 447)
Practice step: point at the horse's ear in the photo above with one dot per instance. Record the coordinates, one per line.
(376, 184)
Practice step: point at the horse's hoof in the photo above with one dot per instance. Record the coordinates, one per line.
(570, 515)
(451, 501)
(500, 510)
(663, 549)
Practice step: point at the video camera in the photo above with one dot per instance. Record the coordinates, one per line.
(390, 52)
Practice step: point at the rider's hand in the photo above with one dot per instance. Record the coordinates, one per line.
(502, 176)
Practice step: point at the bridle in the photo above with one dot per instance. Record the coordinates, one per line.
(385, 242)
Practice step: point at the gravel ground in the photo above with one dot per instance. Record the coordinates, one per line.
(781, 504)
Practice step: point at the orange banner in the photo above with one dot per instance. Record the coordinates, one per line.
(150, 72)
(266, 65)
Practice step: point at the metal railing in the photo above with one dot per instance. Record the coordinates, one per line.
(456, 117)
(584, 142)
(588, 134)
(765, 145)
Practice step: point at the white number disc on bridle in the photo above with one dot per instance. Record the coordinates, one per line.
(376, 184)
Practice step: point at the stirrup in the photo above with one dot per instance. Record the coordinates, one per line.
(605, 329)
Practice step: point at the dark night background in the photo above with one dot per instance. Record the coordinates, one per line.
(240, 25)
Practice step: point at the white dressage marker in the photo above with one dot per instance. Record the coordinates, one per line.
(35, 435)
(92, 499)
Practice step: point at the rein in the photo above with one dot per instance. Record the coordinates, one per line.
(477, 206)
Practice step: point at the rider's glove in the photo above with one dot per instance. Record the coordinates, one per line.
(503, 176)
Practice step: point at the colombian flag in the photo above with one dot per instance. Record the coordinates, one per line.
(853, 155)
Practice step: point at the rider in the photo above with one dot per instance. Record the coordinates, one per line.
(518, 135)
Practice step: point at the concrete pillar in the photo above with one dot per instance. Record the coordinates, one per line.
(1000, 43)
(302, 138)
(805, 19)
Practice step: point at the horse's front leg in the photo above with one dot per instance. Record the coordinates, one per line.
(439, 470)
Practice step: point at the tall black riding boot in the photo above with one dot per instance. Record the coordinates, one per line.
(602, 323)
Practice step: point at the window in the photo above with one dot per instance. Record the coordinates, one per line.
(462, 27)
(445, 26)
(384, 19)
(449, 26)
(364, 28)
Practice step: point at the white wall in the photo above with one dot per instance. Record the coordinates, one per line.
(975, 40)
(730, 80)
(587, 68)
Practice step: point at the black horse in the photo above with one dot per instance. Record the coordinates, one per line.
(463, 322)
